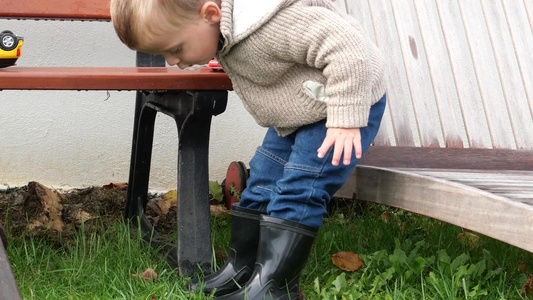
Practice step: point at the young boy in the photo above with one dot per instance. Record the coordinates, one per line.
(307, 73)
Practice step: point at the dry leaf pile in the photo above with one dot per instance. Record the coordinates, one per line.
(38, 210)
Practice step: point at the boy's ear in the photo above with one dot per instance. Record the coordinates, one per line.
(211, 12)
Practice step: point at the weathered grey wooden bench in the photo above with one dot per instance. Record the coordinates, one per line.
(191, 97)
(457, 140)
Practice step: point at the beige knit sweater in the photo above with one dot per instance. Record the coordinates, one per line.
(275, 51)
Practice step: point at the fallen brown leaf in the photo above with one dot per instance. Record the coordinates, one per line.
(387, 217)
(522, 267)
(347, 261)
(527, 288)
(119, 186)
(164, 206)
(51, 205)
(217, 210)
(469, 239)
(170, 196)
(81, 215)
(148, 275)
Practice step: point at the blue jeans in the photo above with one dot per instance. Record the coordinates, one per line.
(288, 180)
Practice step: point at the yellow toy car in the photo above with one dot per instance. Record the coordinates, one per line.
(10, 45)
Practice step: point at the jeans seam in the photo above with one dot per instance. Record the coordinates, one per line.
(303, 168)
(263, 188)
(319, 173)
(271, 156)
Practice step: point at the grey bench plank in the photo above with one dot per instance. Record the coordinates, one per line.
(514, 185)
(492, 215)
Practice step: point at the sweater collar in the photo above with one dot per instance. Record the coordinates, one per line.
(240, 18)
(248, 13)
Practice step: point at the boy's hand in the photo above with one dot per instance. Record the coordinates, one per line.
(343, 140)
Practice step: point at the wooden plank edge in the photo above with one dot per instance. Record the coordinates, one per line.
(55, 9)
(448, 158)
(454, 203)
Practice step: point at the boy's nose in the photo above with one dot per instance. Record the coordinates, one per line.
(172, 60)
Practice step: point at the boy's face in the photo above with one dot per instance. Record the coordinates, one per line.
(194, 42)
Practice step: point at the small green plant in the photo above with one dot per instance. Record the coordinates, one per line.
(215, 189)
(234, 191)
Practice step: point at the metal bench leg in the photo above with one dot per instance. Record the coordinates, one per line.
(141, 155)
(137, 197)
(141, 152)
(194, 227)
(192, 112)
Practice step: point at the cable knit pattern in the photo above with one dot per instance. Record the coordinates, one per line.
(306, 40)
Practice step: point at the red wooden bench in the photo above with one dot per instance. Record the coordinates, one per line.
(190, 97)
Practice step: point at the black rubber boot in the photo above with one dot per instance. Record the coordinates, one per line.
(241, 258)
(284, 248)
(3, 236)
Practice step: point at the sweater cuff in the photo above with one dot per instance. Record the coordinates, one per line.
(347, 116)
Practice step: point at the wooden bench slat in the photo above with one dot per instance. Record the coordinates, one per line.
(361, 12)
(529, 10)
(510, 75)
(52, 9)
(519, 18)
(490, 87)
(448, 158)
(464, 75)
(399, 101)
(514, 185)
(112, 78)
(440, 70)
(417, 74)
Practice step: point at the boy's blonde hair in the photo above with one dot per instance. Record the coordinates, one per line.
(134, 17)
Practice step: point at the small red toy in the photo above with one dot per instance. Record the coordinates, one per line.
(214, 65)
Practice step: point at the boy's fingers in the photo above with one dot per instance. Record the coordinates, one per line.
(358, 148)
(347, 151)
(325, 147)
(337, 152)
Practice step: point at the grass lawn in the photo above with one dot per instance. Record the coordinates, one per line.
(405, 256)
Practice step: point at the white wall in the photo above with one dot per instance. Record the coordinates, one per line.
(75, 139)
